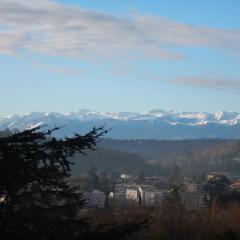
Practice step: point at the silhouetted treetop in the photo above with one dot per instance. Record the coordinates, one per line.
(36, 200)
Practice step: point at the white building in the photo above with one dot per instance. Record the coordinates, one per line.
(145, 194)
(126, 176)
(132, 194)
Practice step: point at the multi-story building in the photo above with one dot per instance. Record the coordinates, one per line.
(145, 194)
(192, 200)
(119, 194)
(192, 187)
(192, 197)
(120, 191)
(132, 194)
(150, 195)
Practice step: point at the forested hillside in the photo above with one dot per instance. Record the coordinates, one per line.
(151, 149)
(158, 157)
(115, 162)
(193, 156)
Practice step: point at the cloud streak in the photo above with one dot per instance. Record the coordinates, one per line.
(65, 70)
(209, 82)
(47, 27)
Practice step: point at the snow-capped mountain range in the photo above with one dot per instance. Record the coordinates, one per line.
(156, 124)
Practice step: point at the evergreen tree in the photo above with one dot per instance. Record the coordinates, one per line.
(36, 201)
(218, 189)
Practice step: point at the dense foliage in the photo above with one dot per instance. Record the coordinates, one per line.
(36, 201)
(193, 156)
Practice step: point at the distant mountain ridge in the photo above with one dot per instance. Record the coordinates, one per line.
(155, 124)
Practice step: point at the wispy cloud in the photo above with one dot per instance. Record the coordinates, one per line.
(47, 27)
(65, 70)
(210, 82)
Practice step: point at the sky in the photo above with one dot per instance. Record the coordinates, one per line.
(108, 55)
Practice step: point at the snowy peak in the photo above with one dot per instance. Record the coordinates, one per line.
(169, 117)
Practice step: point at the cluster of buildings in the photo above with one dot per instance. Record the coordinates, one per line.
(131, 193)
(150, 192)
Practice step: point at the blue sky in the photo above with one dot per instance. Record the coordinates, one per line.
(119, 55)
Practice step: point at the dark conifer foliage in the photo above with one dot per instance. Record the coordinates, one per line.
(36, 201)
(219, 191)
